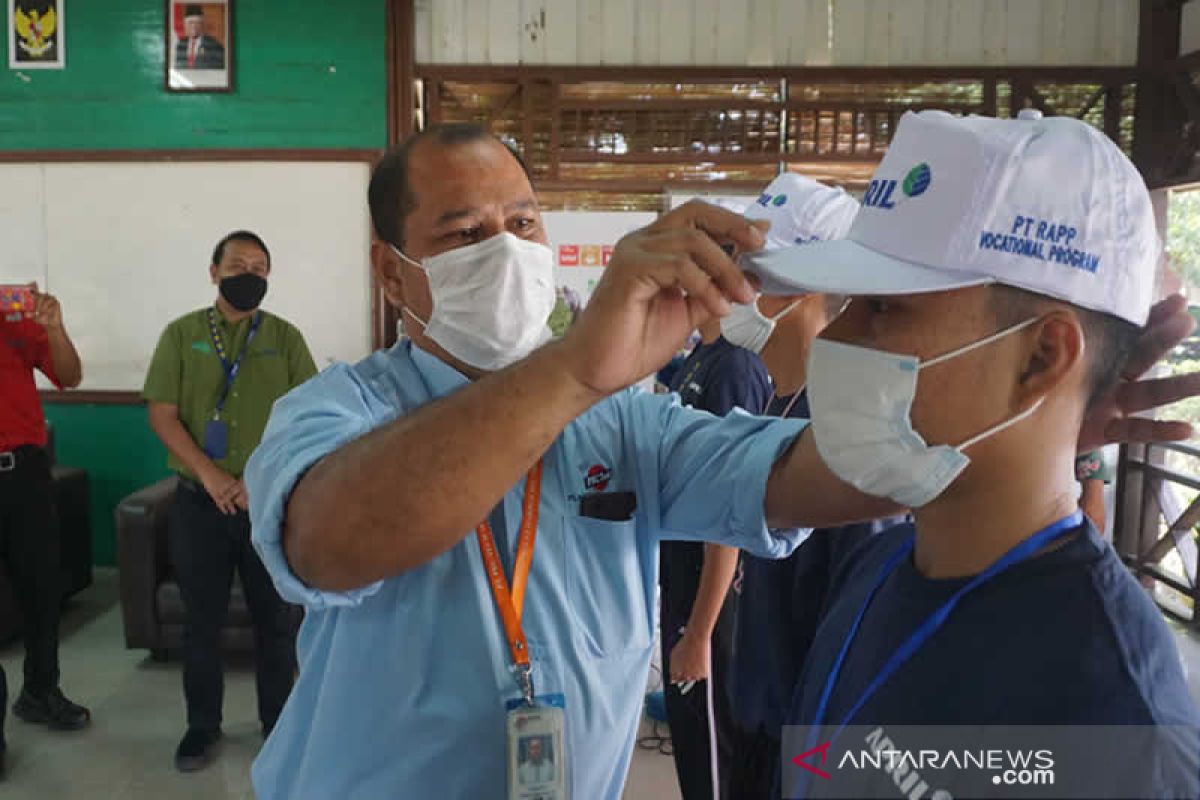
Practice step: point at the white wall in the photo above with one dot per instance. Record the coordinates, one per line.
(779, 32)
(126, 248)
(1189, 32)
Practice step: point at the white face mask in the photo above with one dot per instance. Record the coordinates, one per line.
(491, 300)
(861, 400)
(746, 326)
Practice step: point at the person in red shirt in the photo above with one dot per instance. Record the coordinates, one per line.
(29, 546)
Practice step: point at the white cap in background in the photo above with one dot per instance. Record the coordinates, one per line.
(1049, 205)
(801, 210)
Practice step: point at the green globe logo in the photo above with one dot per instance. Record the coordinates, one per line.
(917, 180)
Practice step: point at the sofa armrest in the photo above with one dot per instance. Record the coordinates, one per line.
(141, 521)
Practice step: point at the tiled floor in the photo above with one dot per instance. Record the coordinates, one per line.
(137, 706)
(138, 710)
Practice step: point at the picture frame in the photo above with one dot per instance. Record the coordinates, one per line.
(37, 34)
(198, 46)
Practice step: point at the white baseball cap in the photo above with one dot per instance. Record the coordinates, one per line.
(1049, 205)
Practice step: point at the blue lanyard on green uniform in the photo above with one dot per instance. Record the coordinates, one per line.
(231, 369)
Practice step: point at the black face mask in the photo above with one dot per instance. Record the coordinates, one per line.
(244, 292)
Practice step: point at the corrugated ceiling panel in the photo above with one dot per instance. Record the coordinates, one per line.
(784, 32)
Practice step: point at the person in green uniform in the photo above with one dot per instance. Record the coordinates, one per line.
(212, 381)
(1093, 474)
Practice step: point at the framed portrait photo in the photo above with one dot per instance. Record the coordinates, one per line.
(199, 46)
(36, 34)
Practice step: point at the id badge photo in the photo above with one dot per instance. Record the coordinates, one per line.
(536, 754)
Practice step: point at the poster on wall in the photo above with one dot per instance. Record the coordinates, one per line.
(583, 243)
(36, 34)
(199, 46)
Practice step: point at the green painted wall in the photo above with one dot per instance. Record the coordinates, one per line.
(308, 74)
(120, 453)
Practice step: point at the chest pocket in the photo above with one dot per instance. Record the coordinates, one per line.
(606, 587)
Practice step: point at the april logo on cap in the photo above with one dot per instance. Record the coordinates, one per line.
(881, 191)
(766, 200)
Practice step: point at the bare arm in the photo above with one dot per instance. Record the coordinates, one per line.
(720, 565)
(405, 493)
(64, 360)
(401, 495)
(220, 485)
(803, 492)
(691, 658)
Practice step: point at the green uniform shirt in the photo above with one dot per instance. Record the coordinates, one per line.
(186, 372)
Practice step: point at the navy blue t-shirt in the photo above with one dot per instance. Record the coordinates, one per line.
(716, 377)
(1065, 638)
(719, 377)
(780, 604)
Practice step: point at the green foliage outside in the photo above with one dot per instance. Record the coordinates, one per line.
(1183, 245)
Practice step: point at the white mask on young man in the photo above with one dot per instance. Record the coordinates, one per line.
(861, 402)
(491, 300)
(746, 326)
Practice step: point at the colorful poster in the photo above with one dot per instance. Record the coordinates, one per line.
(583, 242)
(36, 34)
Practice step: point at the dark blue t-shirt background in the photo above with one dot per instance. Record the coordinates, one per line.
(1066, 638)
(780, 604)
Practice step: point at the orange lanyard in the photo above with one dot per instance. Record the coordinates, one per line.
(510, 605)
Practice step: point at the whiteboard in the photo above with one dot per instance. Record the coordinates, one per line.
(126, 248)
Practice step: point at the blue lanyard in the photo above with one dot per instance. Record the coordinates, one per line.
(929, 627)
(231, 370)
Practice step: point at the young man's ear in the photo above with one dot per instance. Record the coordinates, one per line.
(212, 273)
(385, 265)
(1056, 353)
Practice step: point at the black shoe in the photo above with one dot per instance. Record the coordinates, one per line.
(195, 750)
(51, 709)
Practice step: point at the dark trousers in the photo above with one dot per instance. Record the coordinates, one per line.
(687, 714)
(29, 555)
(756, 766)
(206, 547)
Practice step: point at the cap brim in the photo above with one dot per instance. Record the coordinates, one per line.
(846, 267)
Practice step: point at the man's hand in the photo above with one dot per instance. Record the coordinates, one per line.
(663, 282)
(1112, 420)
(242, 498)
(46, 310)
(223, 488)
(690, 658)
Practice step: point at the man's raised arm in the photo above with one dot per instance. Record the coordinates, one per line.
(404, 493)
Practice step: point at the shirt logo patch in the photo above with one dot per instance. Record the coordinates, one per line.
(202, 347)
(597, 478)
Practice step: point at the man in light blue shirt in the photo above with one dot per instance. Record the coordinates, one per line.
(370, 480)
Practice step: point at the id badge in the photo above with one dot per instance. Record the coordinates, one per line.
(537, 754)
(216, 439)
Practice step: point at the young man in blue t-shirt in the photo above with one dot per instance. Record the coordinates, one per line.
(1001, 272)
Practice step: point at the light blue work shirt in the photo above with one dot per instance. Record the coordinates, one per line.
(404, 683)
